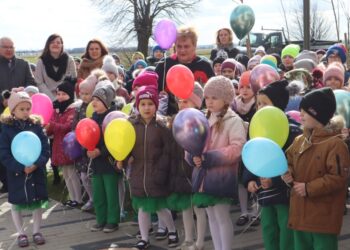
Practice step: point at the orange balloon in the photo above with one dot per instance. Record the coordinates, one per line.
(180, 81)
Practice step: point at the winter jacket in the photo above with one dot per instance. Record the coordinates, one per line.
(60, 125)
(150, 169)
(218, 172)
(88, 65)
(35, 183)
(200, 68)
(227, 52)
(320, 159)
(46, 84)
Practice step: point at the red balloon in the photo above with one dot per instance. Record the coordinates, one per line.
(180, 81)
(88, 133)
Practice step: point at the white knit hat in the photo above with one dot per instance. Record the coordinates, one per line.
(109, 65)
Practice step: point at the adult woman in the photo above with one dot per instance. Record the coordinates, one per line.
(53, 66)
(92, 58)
(224, 45)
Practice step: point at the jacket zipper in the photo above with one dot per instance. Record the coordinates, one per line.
(144, 163)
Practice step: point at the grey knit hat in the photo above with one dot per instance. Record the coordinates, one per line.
(105, 94)
(220, 87)
(109, 65)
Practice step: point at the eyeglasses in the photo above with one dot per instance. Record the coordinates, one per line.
(8, 47)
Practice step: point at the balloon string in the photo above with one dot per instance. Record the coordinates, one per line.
(25, 188)
(164, 70)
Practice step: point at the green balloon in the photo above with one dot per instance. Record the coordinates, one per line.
(270, 122)
(242, 20)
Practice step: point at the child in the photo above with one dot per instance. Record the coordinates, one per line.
(318, 164)
(59, 125)
(104, 174)
(217, 65)
(219, 162)
(334, 76)
(228, 69)
(157, 55)
(150, 167)
(288, 54)
(273, 193)
(26, 184)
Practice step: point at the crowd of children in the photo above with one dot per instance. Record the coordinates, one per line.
(301, 209)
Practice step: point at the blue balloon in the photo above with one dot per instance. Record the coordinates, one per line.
(264, 158)
(26, 148)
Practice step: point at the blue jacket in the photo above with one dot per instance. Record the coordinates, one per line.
(36, 182)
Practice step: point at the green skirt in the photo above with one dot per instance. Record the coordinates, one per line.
(149, 204)
(33, 206)
(207, 200)
(179, 201)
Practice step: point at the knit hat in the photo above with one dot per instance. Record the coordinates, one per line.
(320, 104)
(137, 53)
(245, 79)
(242, 59)
(335, 69)
(120, 70)
(146, 78)
(157, 47)
(109, 65)
(220, 87)
(140, 63)
(147, 92)
(338, 50)
(229, 63)
(307, 64)
(105, 94)
(16, 98)
(197, 95)
(290, 50)
(269, 60)
(321, 51)
(260, 49)
(218, 59)
(277, 93)
(255, 60)
(67, 86)
(31, 89)
(307, 54)
(88, 84)
(103, 83)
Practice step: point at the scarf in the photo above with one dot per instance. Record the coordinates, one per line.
(62, 106)
(243, 108)
(60, 63)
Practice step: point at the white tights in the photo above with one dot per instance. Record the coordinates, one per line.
(72, 181)
(85, 179)
(18, 220)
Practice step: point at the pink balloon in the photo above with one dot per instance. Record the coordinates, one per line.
(295, 115)
(263, 75)
(42, 106)
(111, 116)
(165, 33)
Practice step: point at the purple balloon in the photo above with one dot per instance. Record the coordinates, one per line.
(111, 116)
(165, 33)
(71, 146)
(190, 130)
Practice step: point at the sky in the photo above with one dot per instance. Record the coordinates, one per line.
(29, 23)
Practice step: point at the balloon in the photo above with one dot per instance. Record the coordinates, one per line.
(127, 108)
(295, 115)
(87, 133)
(165, 33)
(242, 20)
(264, 158)
(42, 106)
(26, 148)
(342, 98)
(111, 116)
(120, 137)
(263, 75)
(71, 146)
(89, 110)
(180, 81)
(190, 130)
(270, 122)
(6, 111)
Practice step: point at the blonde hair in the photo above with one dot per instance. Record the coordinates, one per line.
(185, 32)
(218, 125)
(230, 33)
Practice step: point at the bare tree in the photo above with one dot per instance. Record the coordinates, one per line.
(130, 19)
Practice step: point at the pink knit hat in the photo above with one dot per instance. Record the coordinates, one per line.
(197, 95)
(146, 78)
(228, 63)
(88, 85)
(16, 98)
(147, 92)
(335, 69)
(220, 87)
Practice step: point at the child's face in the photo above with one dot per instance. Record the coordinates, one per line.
(214, 104)
(98, 106)
(333, 58)
(308, 121)
(288, 61)
(158, 54)
(246, 92)
(121, 77)
(185, 103)
(263, 101)
(228, 72)
(147, 109)
(217, 69)
(61, 96)
(86, 97)
(111, 76)
(22, 111)
(334, 83)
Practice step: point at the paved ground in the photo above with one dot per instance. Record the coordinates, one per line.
(66, 228)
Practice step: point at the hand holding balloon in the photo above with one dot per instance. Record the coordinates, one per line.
(120, 165)
(94, 153)
(253, 187)
(197, 161)
(29, 170)
(266, 183)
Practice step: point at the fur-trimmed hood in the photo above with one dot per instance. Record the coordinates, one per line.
(10, 119)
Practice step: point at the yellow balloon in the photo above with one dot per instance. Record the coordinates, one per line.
(120, 138)
(270, 122)
(6, 111)
(89, 110)
(127, 108)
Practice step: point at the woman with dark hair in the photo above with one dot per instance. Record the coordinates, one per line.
(92, 58)
(53, 66)
(224, 43)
